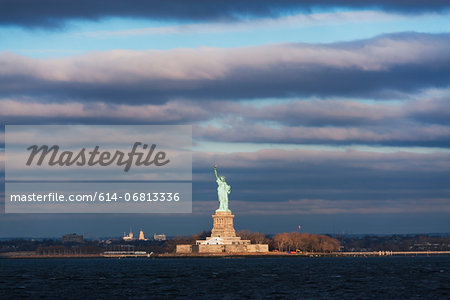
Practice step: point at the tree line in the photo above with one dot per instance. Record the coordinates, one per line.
(305, 242)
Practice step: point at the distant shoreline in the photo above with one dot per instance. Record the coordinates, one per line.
(33, 255)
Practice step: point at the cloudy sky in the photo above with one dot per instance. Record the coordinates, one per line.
(330, 114)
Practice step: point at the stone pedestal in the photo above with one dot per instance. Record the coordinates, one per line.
(223, 233)
(223, 239)
(223, 224)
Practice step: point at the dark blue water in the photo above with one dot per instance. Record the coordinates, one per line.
(336, 278)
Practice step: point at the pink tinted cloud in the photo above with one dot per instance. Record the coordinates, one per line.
(215, 63)
(168, 112)
(281, 159)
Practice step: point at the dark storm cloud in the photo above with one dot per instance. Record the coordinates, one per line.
(54, 13)
(377, 68)
(354, 178)
(431, 110)
(323, 180)
(401, 134)
(27, 111)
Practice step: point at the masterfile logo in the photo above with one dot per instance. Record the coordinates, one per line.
(53, 156)
(99, 168)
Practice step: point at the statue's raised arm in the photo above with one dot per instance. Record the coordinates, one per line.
(215, 171)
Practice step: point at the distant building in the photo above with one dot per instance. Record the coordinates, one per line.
(141, 236)
(128, 237)
(72, 238)
(159, 237)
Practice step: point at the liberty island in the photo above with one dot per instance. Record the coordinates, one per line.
(223, 235)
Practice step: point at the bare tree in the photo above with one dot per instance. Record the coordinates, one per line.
(254, 237)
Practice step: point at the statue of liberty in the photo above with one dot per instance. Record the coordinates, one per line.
(223, 189)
